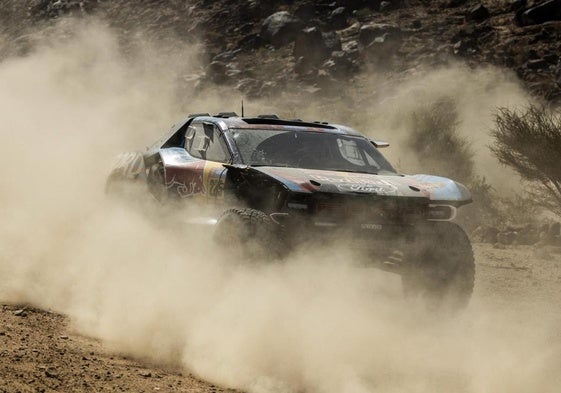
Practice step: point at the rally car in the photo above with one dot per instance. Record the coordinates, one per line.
(269, 185)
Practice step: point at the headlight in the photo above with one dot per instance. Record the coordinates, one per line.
(441, 212)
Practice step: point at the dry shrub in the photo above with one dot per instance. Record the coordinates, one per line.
(529, 141)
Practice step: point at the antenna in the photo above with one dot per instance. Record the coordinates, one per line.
(242, 109)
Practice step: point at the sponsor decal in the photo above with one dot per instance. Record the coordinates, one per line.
(356, 183)
(213, 179)
(184, 190)
(385, 189)
(187, 181)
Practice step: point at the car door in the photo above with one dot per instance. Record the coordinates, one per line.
(204, 141)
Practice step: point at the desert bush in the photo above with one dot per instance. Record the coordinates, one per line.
(529, 141)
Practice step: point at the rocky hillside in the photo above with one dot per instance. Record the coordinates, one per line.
(261, 46)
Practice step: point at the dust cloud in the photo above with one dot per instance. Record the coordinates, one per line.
(148, 286)
(475, 93)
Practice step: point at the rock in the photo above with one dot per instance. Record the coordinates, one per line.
(340, 65)
(258, 8)
(416, 24)
(371, 31)
(268, 89)
(533, 54)
(386, 6)
(191, 81)
(551, 58)
(456, 3)
(354, 4)
(350, 31)
(381, 50)
(478, 13)
(313, 47)
(20, 313)
(233, 73)
(537, 64)
(226, 56)
(280, 28)
(250, 42)
(216, 72)
(465, 46)
(56, 8)
(305, 12)
(310, 45)
(145, 374)
(331, 41)
(51, 373)
(249, 87)
(515, 5)
(338, 18)
(541, 13)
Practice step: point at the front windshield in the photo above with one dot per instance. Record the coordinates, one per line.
(309, 150)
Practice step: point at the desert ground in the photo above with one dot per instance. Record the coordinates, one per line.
(42, 352)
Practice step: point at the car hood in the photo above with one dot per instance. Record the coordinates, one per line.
(435, 188)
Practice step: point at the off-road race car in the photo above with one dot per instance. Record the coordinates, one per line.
(270, 185)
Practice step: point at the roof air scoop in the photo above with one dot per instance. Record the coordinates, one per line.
(227, 114)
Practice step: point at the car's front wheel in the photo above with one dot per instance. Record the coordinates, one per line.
(249, 234)
(440, 266)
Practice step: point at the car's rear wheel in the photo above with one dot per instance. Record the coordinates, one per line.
(440, 267)
(249, 234)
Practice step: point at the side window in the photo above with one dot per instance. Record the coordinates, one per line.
(205, 141)
(350, 151)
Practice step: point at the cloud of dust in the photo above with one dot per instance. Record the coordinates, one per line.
(476, 93)
(162, 291)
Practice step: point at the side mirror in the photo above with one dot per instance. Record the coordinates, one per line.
(379, 144)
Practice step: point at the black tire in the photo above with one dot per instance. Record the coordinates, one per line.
(249, 234)
(440, 267)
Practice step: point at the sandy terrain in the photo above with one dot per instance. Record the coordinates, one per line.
(40, 352)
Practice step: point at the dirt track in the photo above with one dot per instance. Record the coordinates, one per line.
(40, 352)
